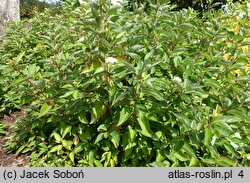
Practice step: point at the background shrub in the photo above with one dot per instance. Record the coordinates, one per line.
(29, 8)
(199, 5)
(108, 87)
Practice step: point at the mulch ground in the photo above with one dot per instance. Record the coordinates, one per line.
(8, 159)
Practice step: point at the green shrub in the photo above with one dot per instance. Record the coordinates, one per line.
(29, 8)
(107, 87)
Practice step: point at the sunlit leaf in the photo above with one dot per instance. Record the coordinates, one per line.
(208, 136)
(144, 124)
(124, 115)
(115, 137)
(56, 148)
(225, 161)
(57, 137)
(72, 156)
(66, 131)
(97, 111)
(44, 109)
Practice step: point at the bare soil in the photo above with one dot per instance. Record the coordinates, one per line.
(9, 159)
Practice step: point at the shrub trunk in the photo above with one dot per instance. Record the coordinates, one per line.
(9, 11)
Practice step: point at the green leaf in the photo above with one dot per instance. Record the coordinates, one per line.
(153, 92)
(112, 162)
(75, 94)
(144, 124)
(67, 144)
(120, 35)
(132, 134)
(227, 119)
(240, 113)
(212, 83)
(180, 156)
(79, 147)
(91, 158)
(118, 50)
(44, 109)
(247, 156)
(245, 43)
(67, 94)
(193, 162)
(102, 128)
(82, 118)
(115, 138)
(98, 163)
(231, 150)
(20, 149)
(97, 111)
(99, 70)
(226, 162)
(224, 125)
(66, 130)
(99, 138)
(149, 55)
(189, 150)
(56, 148)
(178, 144)
(104, 42)
(57, 137)
(72, 156)
(208, 136)
(208, 161)
(127, 153)
(19, 57)
(213, 151)
(160, 155)
(137, 47)
(85, 136)
(124, 115)
(107, 159)
(129, 66)
(31, 70)
(118, 97)
(27, 149)
(222, 131)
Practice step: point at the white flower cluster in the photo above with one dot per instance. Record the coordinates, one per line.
(177, 79)
(111, 60)
(116, 2)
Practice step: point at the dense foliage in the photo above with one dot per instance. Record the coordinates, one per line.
(108, 87)
(29, 8)
(199, 5)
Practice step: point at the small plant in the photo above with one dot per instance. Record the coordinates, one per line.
(2, 129)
